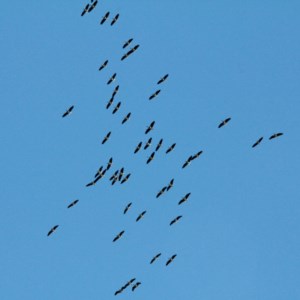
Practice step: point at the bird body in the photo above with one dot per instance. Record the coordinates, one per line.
(85, 10)
(116, 108)
(106, 138)
(184, 198)
(171, 259)
(171, 148)
(138, 147)
(155, 258)
(127, 208)
(136, 285)
(148, 144)
(141, 215)
(126, 178)
(103, 65)
(52, 230)
(154, 95)
(275, 135)
(159, 145)
(175, 220)
(224, 122)
(127, 43)
(257, 142)
(105, 17)
(126, 118)
(163, 79)
(69, 110)
(118, 235)
(73, 203)
(112, 78)
(151, 157)
(150, 127)
(115, 19)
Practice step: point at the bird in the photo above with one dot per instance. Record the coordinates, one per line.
(175, 220)
(115, 91)
(127, 207)
(184, 198)
(140, 216)
(52, 229)
(114, 175)
(163, 79)
(155, 258)
(257, 142)
(130, 52)
(197, 155)
(148, 144)
(106, 138)
(127, 43)
(161, 192)
(115, 179)
(126, 178)
(121, 174)
(98, 172)
(118, 235)
(135, 48)
(73, 203)
(85, 10)
(69, 110)
(150, 127)
(170, 148)
(92, 6)
(96, 179)
(104, 18)
(151, 157)
(154, 95)
(119, 291)
(171, 259)
(116, 108)
(187, 162)
(110, 161)
(159, 145)
(103, 65)
(170, 184)
(138, 147)
(275, 135)
(126, 118)
(224, 122)
(112, 78)
(128, 283)
(109, 103)
(114, 19)
(136, 285)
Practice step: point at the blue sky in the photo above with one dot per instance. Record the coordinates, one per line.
(239, 235)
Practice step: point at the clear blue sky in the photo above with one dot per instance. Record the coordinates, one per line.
(239, 235)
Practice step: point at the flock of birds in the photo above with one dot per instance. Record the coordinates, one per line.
(119, 175)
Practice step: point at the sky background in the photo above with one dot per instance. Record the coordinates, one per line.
(239, 235)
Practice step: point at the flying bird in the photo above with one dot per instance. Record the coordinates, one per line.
(136, 285)
(161, 192)
(73, 203)
(68, 111)
(126, 178)
(128, 283)
(170, 148)
(103, 65)
(115, 19)
(163, 79)
(126, 118)
(85, 10)
(92, 6)
(184, 198)
(127, 207)
(155, 258)
(154, 95)
(170, 184)
(116, 108)
(138, 147)
(171, 259)
(151, 157)
(130, 52)
(118, 235)
(52, 229)
(104, 18)
(175, 220)
(197, 155)
(159, 145)
(109, 103)
(109, 164)
(150, 127)
(127, 43)
(224, 122)
(141, 215)
(119, 291)
(98, 172)
(115, 91)
(112, 78)
(275, 135)
(121, 174)
(135, 48)
(96, 179)
(187, 162)
(148, 144)
(106, 138)
(257, 142)
(114, 175)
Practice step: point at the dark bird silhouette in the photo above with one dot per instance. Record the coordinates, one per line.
(105, 17)
(121, 174)
(155, 258)
(151, 157)
(130, 52)
(184, 198)
(128, 283)
(115, 91)
(175, 220)
(170, 185)
(116, 108)
(109, 164)
(171, 148)
(109, 103)
(98, 172)
(197, 155)
(127, 207)
(112, 78)
(115, 179)
(135, 48)
(224, 122)
(187, 162)
(126, 118)
(126, 178)
(119, 291)
(115, 19)
(148, 144)
(161, 192)
(159, 145)
(85, 10)
(68, 111)
(106, 138)
(92, 6)
(52, 229)
(138, 147)
(103, 65)
(136, 285)
(163, 79)
(154, 95)
(118, 235)
(171, 259)
(141, 215)
(275, 135)
(257, 142)
(96, 179)
(73, 203)
(127, 43)
(150, 127)
(114, 175)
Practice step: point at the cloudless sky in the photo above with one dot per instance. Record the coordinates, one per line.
(239, 234)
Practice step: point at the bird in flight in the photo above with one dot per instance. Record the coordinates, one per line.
(130, 52)
(73, 203)
(103, 65)
(197, 155)
(126, 178)
(121, 174)
(109, 103)
(154, 95)
(155, 258)
(105, 17)
(112, 78)
(171, 259)
(52, 229)
(127, 43)
(141, 215)
(98, 172)
(126, 118)
(224, 122)
(150, 127)
(171, 148)
(92, 6)
(118, 235)
(115, 91)
(151, 157)
(110, 161)
(257, 142)
(114, 176)
(148, 144)
(275, 135)
(69, 110)
(184, 198)
(96, 179)
(85, 10)
(127, 207)
(114, 19)
(170, 184)
(138, 147)
(161, 192)
(163, 79)
(116, 108)
(159, 145)
(136, 285)
(187, 162)
(128, 284)
(106, 138)
(175, 220)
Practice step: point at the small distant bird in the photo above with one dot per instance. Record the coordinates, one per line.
(171, 259)
(92, 6)
(118, 235)
(103, 65)
(112, 78)
(116, 108)
(126, 178)
(154, 95)
(141, 215)
(159, 145)
(127, 207)
(163, 79)
(170, 184)
(197, 155)
(115, 179)
(138, 147)
(115, 19)
(73, 203)
(114, 175)
(155, 258)
(119, 291)
(121, 174)
(184, 198)
(127, 43)
(257, 142)
(224, 122)
(148, 144)
(161, 192)
(104, 18)
(52, 229)
(85, 10)
(115, 91)
(98, 172)
(275, 135)
(175, 220)
(126, 118)
(170, 148)
(187, 162)
(110, 161)
(96, 179)
(151, 157)
(68, 111)
(106, 138)
(135, 48)
(150, 127)
(136, 285)
(109, 103)
(128, 283)
(130, 52)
